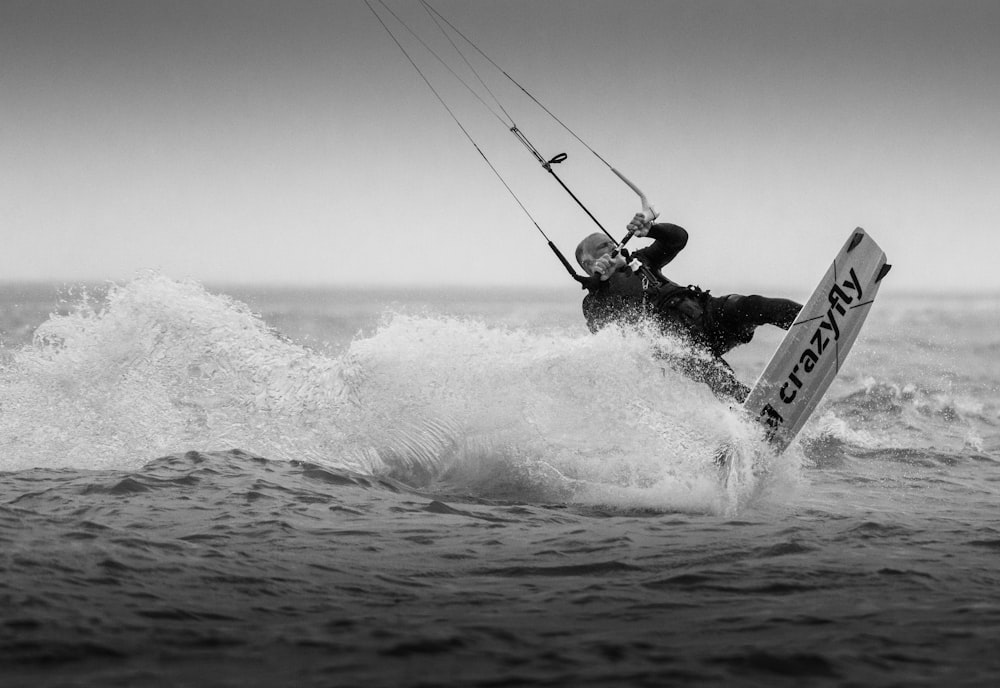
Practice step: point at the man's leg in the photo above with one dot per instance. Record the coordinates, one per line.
(714, 372)
(754, 311)
(723, 382)
(735, 318)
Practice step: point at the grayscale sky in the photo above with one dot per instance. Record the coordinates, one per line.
(292, 142)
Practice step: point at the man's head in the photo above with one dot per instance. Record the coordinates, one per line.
(593, 248)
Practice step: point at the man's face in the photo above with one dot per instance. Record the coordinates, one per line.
(595, 247)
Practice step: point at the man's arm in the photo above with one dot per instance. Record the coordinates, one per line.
(668, 241)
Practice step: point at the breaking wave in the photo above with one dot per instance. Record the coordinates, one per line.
(160, 367)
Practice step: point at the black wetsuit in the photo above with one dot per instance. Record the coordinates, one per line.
(714, 324)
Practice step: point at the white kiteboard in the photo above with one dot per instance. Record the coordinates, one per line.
(814, 349)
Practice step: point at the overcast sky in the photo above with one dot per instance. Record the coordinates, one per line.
(291, 142)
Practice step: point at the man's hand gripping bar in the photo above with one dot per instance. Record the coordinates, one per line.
(648, 211)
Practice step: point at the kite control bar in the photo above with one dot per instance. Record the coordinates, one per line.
(648, 211)
(650, 214)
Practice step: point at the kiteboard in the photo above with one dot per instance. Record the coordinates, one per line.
(816, 345)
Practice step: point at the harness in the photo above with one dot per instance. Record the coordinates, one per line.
(691, 304)
(649, 296)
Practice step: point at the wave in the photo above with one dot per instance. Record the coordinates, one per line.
(912, 422)
(158, 367)
(876, 399)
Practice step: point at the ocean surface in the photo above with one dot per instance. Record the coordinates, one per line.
(234, 487)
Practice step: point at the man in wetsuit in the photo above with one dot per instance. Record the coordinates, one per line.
(713, 325)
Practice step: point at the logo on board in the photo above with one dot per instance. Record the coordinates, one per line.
(827, 332)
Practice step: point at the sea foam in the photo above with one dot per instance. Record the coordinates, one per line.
(158, 367)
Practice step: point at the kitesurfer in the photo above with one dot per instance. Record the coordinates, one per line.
(712, 325)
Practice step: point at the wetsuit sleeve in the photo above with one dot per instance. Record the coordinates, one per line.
(668, 240)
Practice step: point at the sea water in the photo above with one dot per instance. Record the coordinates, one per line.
(237, 487)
